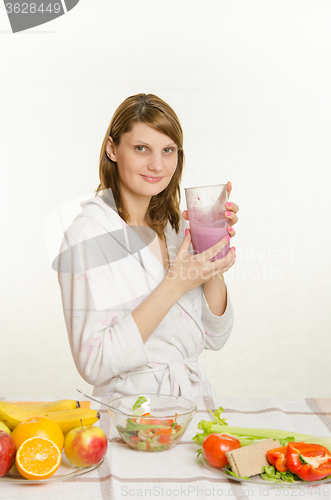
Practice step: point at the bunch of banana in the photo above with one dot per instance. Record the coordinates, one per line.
(11, 414)
(3, 427)
(61, 405)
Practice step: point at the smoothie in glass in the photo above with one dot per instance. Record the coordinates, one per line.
(208, 224)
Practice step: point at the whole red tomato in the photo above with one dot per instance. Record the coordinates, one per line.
(216, 445)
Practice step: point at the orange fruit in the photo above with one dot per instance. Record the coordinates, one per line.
(37, 458)
(38, 427)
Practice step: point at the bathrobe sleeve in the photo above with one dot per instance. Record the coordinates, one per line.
(217, 328)
(103, 342)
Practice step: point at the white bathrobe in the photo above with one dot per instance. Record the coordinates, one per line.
(103, 278)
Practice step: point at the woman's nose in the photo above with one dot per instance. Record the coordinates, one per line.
(155, 162)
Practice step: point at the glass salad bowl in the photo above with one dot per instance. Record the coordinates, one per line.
(151, 422)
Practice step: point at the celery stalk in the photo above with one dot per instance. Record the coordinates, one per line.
(248, 435)
(251, 434)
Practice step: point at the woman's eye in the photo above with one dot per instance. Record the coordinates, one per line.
(140, 148)
(169, 150)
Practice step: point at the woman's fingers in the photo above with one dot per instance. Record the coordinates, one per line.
(215, 249)
(185, 214)
(190, 271)
(230, 214)
(224, 264)
(186, 241)
(232, 218)
(228, 188)
(231, 232)
(231, 210)
(185, 245)
(229, 205)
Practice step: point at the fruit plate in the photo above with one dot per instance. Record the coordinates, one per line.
(258, 479)
(64, 472)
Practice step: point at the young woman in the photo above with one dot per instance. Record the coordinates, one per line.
(139, 306)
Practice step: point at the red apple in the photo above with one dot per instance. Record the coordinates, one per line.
(85, 446)
(7, 453)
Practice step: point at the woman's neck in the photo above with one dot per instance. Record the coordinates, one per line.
(137, 209)
(142, 219)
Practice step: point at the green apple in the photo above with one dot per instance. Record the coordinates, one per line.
(85, 446)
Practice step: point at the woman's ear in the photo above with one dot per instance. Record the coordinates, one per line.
(110, 149)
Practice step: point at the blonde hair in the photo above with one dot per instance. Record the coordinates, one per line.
(153, 111)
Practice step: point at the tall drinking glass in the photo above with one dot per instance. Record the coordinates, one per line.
(208, 224)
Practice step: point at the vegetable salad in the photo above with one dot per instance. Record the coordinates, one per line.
(147, 433)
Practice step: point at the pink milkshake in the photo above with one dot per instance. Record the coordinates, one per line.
(208, 224)
(204, 237)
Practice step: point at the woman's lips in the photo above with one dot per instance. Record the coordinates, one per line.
(151, 179)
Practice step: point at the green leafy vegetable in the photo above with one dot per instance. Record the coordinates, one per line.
(284, 442)
(216, 416)
(141, 400)
(270, 473)
(131, 425)
(228, 470)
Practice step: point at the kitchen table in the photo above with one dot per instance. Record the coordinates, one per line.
(178, 473)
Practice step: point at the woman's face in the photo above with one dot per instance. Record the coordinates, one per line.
(146, 160)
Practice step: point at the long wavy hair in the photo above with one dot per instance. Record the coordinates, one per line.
(153, 111)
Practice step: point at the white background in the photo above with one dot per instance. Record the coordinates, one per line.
(250, 81)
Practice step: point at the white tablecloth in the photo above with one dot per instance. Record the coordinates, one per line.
(178, 473)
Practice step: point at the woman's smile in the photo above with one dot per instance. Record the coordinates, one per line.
(149, 178)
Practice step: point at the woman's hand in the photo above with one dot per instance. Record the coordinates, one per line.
(189, 271)
(231, 212)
